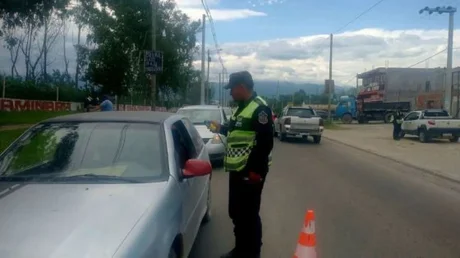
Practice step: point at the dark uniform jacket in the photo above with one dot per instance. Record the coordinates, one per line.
(262, 124)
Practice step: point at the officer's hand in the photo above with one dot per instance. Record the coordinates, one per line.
(214, 127)
(254, 177)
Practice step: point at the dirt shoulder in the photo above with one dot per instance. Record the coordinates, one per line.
(439, 157)
(14, 127)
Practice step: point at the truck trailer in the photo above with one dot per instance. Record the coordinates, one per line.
(385, 90)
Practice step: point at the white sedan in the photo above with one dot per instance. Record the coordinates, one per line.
(199, 115)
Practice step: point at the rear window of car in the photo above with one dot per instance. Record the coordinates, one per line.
(124, 150)
(301, 112)
(435, 113)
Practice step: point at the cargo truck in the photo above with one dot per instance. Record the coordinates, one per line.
(385, 90)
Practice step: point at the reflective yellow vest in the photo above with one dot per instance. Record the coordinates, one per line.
(241, 139)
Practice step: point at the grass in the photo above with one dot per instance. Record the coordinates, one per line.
(8, 136)
(28, 117)
(333, 126)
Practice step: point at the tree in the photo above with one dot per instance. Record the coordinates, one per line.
(121, 30)
(15, 13)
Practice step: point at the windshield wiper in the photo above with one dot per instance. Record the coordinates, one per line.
(96, 177)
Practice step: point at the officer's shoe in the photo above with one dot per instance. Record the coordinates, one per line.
(231, 254)
(235, 254)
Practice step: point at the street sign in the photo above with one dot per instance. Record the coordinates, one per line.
(329, 86)
(153, 62)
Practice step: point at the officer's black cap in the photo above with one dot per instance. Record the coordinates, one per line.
(243, 77)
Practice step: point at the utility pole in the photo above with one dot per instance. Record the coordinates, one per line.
(220, 89)
(154, 48)
(208, 86)
(203, 57)
(329, 86)
(448, 87)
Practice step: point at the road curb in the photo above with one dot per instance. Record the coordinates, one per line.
(427, 171)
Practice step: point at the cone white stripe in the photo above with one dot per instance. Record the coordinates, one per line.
(305, 252)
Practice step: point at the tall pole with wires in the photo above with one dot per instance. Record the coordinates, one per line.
(154, 4)
(203, 59)
(448, 87)
(329, 85)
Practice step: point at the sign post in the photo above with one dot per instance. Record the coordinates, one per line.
(153, 62)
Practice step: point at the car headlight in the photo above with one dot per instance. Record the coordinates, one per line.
(216, 139)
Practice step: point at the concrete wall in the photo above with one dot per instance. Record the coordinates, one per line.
(45, 105)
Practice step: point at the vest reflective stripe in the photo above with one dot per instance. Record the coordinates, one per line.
(241, 139)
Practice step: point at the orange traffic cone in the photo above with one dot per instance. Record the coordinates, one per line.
(306, 245)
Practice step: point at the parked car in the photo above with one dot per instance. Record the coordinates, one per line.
(199, 115)
(431, 123)
(113, 184)
(299, 122)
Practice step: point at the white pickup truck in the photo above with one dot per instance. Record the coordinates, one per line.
(431, 123)
(299, 122)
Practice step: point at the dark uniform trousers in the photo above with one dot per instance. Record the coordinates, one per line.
(243, 207)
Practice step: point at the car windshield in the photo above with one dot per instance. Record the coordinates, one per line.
(300, 112)
(87, 151)
(199, 116)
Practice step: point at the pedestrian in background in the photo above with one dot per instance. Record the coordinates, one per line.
(106, 104)
(248, 157)
(397, 119)
(88, 103)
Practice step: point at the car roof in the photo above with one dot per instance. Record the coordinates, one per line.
(201, 107)
(115, 116)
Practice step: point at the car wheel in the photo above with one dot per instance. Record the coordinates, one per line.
(207, 216)
(317, 139)
(454, 139)
(172, 253)
(422, 136)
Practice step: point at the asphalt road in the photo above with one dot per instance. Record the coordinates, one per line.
(365, 206)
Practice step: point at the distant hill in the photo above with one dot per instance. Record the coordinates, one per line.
(269, 88)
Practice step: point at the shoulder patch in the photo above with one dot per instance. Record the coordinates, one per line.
(263, 117)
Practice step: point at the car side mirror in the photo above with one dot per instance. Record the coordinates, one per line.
(196, 167)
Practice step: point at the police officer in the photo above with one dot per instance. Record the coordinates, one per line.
(250, 141)
(87, 103)
(396, 119)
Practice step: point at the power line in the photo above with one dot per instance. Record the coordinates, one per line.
(353, 20)
(419, 62)
(428, 58)
(213, 31)
(360, 15)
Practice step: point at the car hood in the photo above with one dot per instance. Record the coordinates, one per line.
(204, 131)
(70, 220)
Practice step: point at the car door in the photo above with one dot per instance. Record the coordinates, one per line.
(200, 184)
(190, 188)
(408, 125)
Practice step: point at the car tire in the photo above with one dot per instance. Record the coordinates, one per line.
(317, 139)
(208, 214)
(422, 136)
(281, 137)
(454, 139)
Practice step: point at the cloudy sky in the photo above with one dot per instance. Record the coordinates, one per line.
(288, 39)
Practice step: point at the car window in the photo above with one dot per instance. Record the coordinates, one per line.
(300, 112)
(63, 150)
(183, 144)
(412, 116)
(435, 113)
(196, 138)
(199, 116)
